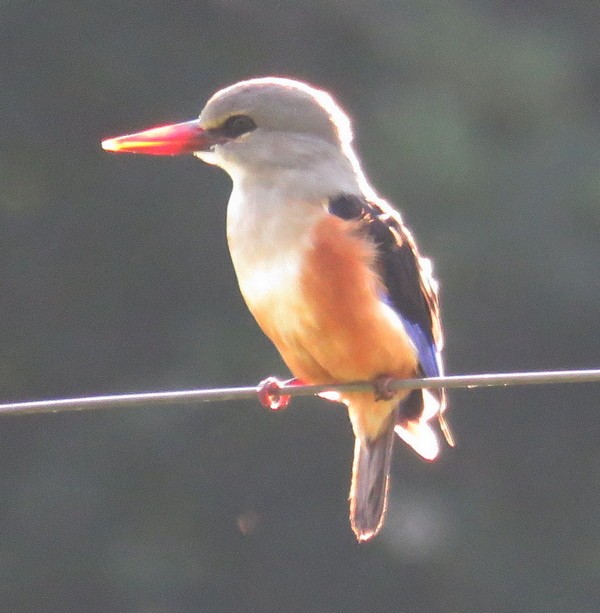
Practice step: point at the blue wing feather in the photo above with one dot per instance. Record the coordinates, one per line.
(426, 349)
(407, 285)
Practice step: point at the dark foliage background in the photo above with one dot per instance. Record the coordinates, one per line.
(480, 119)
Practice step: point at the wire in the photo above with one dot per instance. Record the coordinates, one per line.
(196, 396)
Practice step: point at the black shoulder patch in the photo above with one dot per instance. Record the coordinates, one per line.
(347, 206)
(398, 261)
(406, 282)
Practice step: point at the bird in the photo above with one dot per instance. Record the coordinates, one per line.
(327, 267)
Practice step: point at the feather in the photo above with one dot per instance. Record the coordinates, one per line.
(370, 482)
(408, 287)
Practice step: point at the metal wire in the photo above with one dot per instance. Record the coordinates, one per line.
(196, 396)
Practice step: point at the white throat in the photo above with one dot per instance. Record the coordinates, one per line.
(281, 188)
(267, 235)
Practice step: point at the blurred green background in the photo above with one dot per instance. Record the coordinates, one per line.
(480, 119)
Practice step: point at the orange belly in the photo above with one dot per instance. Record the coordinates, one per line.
(329, 324)
(338, 329)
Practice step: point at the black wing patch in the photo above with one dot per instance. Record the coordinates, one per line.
(410, 290)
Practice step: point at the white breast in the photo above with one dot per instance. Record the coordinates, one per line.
(267, 238)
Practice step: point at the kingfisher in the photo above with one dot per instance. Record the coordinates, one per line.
(327, 267)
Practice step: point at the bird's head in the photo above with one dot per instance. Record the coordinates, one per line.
(260, 124)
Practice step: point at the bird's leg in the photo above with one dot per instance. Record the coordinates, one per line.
(269, 393)
(383, 388)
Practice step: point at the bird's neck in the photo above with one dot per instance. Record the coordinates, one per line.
(274, 205)
(269, 222)
(272, 210)
(264, 223)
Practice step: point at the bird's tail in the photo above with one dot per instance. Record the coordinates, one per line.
(370, 480)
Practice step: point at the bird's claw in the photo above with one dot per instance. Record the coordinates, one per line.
(383, 388)
(270, 396)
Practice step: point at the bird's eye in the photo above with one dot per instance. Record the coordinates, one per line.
(236, 125)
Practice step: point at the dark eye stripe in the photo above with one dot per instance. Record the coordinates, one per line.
(236, 125)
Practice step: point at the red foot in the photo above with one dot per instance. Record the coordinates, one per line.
(270, 396)
(383, 389)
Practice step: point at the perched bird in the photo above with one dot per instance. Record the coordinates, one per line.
(327, 268)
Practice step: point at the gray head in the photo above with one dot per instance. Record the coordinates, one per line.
(269, 130)
(279, 105)
(274, 123)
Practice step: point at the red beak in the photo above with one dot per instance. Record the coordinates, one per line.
(176, 139)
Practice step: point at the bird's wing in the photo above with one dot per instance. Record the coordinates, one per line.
(409, 287)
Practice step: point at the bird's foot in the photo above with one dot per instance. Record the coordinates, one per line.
(269, 393)
(382, 386)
